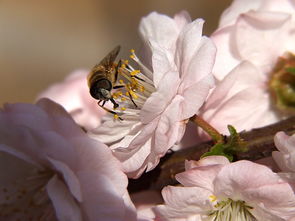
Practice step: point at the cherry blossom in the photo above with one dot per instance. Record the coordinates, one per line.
(51, 170)
(172, 84)
(73, 95)
(252, 39)
(214, 189)
(285, 157)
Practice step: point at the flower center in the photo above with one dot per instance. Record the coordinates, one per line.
(132, 89)
(231, 210)
(27, 199)
(282, 83)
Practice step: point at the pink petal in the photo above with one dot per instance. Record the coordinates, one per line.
(183, 202)
(226, 55)
(262, 29)
(160, 99)
(69, 177)
(182, 18)
(65, 206)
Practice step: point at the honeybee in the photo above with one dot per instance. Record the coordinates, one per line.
(102, 78)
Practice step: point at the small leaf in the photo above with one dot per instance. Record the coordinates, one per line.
(291, 70)
(233, 145)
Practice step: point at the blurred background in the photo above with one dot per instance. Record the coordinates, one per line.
(42, 41)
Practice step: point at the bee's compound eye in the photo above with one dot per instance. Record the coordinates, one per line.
(104, 83)
(99, 89)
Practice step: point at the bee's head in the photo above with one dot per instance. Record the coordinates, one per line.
(101, 90)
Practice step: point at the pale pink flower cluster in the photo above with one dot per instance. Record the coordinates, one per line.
(214, 189)
(179, 81)
(51, 170)
(251, 36)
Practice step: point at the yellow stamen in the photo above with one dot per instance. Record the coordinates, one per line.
(212, 198)
(126, 61)
(123, 108)
(135, 72)
(123, 66)
(132, 56)
(132, 51)
(116, 117)
(121, 81)
(134, 95)
(123, 99)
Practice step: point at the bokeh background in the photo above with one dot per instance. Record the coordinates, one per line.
(42, 41)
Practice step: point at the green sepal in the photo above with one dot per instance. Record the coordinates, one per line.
(230, 147)
(290, 70)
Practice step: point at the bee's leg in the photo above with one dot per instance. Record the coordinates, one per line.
(116, 116)
(114, 103)
(118, 86)
(103, 102)
(130, 96)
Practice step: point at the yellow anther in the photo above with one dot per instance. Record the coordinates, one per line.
(132, 56)
(141, 88)
(132, 51)
(123, 99)
(134, 95)
(123, 66)
(135, 72)
(121, 81)
(212, 198)
(116, 117)
(126, 61)
(123, 108)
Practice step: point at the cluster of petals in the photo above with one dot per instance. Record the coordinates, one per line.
(215, 189)
(285, 156)
(252, 35)
(73, 95)
(51, 170)
(179, 60)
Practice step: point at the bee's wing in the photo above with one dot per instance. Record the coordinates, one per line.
(109, 58)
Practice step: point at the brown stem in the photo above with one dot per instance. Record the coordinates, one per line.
(260, 144)
(211, 131)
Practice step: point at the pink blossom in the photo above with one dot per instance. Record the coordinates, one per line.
(73, 95)
(51, 170)
(176, 80)
(252, 35)
(214, 189)
(285, 157)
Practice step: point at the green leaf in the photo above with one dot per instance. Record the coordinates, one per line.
(291, 70)
(233, 145)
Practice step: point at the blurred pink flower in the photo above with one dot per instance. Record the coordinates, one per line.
(73, 95)
(51, 170)
(181, 60)
(214, 189)
(252, 35)
(285, 157)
